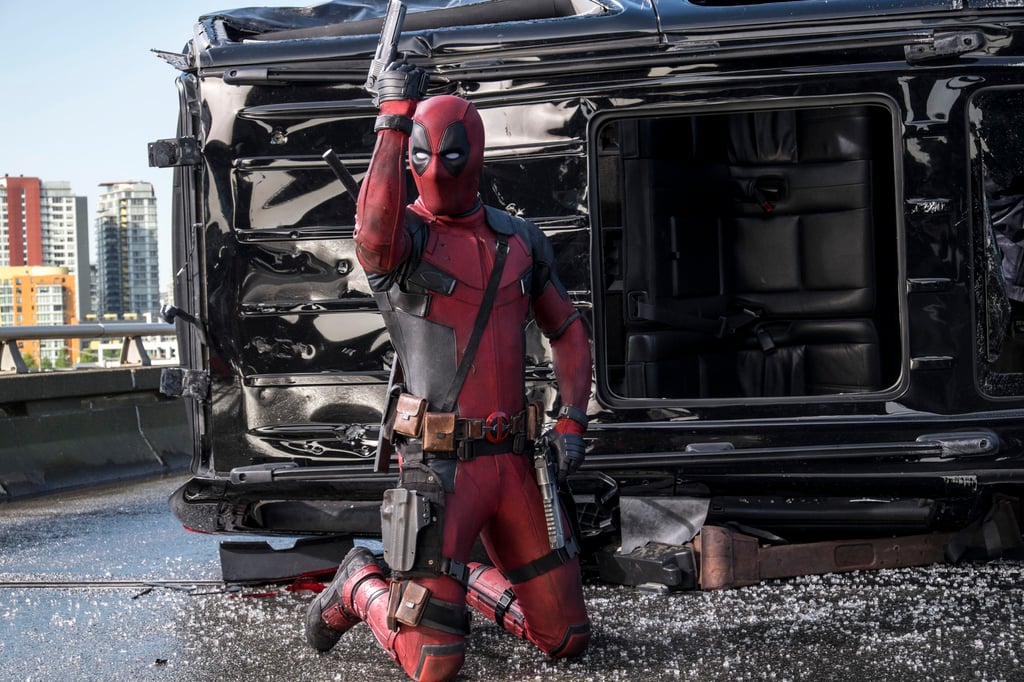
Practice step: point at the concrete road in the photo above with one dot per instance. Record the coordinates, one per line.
(75, 606)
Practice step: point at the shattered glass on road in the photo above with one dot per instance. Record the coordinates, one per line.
(61, 619)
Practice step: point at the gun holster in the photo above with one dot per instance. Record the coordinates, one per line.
(403, 514)
(411, 519)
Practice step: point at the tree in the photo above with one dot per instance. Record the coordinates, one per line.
(30, 361)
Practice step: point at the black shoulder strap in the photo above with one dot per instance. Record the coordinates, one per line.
(482, 316)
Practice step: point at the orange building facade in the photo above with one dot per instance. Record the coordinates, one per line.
(40, 295)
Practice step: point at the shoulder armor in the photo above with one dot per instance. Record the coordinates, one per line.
(504, 222)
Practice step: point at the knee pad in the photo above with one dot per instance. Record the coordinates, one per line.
(574, 643)
(438, 662)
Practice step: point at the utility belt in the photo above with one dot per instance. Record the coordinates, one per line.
(444, 435)
(412, 515)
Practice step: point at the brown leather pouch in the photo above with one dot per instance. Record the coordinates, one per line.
(394, 597)
(438, 431)
(412, 604)
(409, 415)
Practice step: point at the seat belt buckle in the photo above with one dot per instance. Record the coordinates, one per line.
(766, 340)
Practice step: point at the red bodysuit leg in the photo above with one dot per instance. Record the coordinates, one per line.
(547, 610)
(426, 653)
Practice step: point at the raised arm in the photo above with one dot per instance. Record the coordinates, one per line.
(382, 242)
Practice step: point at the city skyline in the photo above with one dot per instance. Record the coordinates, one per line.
(92, 95)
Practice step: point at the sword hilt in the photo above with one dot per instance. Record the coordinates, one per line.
(549, 496)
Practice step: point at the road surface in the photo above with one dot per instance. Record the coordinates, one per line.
(76, 605)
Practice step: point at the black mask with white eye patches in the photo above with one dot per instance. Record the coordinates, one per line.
(452, 151)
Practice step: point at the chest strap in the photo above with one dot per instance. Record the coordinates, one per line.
(482, 315)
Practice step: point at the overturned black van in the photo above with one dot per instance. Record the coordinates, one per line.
(795, 231)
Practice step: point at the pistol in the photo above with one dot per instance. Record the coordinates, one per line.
(387, 46)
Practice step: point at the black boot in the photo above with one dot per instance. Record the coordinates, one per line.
(332, 613)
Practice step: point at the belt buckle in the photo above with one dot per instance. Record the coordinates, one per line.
(497, 427)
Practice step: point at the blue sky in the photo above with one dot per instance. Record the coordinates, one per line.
(83, 94)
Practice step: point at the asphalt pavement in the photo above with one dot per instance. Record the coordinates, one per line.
(106, 585)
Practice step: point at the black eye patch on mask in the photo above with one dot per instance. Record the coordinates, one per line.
(453, 151)
(419, 148)
(454, 148)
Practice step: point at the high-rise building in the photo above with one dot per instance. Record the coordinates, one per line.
(40, 295)
(42, 223)
(127, 258)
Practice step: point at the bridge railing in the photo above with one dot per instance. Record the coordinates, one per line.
(133, 351)
(91, 425)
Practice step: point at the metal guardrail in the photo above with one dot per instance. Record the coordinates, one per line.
(133, 351)
(94, 425)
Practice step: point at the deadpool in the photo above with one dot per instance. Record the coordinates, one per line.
(457, 282)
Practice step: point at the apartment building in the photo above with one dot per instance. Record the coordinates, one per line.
(127, 267)
(43, 223)
(40, 295)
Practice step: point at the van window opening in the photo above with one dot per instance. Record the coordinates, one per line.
(748, 255)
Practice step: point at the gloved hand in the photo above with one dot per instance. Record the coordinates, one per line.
(402, 82)
(570, 450)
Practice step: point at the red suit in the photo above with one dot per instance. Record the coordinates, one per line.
(430, 264)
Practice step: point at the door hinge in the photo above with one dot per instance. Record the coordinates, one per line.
(179, 151)
(945, 45)
(183, 382)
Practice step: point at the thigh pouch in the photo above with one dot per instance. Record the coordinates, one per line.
(410, 603)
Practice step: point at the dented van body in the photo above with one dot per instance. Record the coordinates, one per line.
(793, 229)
